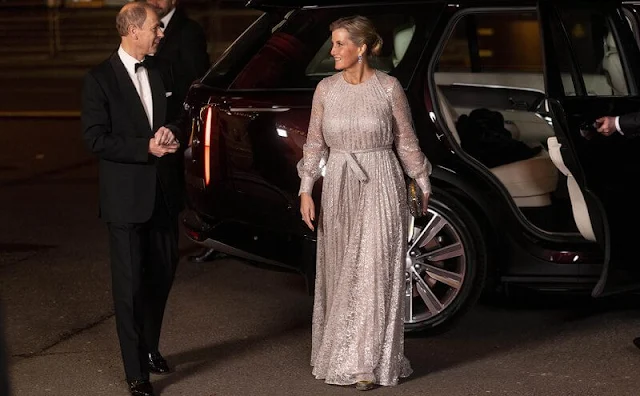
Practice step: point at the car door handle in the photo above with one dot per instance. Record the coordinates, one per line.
(519, 104)
(258, 109)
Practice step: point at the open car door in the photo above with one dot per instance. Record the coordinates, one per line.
(592, 69)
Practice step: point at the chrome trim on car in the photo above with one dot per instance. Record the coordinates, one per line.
(230, 250)
(498, 87)
(259, 109)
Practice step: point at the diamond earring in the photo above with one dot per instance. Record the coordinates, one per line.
(359, 58)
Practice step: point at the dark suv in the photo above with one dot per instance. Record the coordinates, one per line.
(536, 198)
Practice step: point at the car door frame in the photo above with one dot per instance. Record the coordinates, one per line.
(564, 108)
(632, 10)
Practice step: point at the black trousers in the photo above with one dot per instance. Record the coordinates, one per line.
(143, 264)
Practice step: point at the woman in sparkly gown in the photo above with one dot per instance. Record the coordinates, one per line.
(357, 116)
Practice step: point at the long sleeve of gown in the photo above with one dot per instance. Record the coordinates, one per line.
(315, 148)
(413, 161)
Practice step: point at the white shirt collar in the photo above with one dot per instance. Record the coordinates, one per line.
(128, 61)
(167, 18)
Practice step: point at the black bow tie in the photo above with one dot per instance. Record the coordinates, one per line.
(146, 63)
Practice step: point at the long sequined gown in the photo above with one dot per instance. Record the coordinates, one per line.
(362, 228)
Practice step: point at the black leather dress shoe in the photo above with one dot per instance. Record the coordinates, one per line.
(636, 342)
(207, 254)
(140, 387)
(157, 364)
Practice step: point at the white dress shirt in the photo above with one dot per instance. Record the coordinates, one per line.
(618, 126)
(166, 19)
(140, 80)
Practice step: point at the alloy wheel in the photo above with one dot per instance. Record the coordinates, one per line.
(436, 265)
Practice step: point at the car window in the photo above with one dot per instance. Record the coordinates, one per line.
(296, 53)
(596, 52)
(563, 59)
(235, 55)
(491, 66)
(399, 28)
(497, 48)
(497, 45)
(494, 42)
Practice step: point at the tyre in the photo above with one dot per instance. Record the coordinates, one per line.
(446, 265)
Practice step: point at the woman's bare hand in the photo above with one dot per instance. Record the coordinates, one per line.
(425, 203)
(307, 210)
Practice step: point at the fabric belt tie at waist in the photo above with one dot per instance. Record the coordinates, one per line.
(350, 158)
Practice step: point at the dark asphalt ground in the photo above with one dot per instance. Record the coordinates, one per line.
(233, 329)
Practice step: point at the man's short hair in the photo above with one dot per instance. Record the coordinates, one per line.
(134, 13)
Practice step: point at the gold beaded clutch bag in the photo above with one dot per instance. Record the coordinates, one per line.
(414, 198)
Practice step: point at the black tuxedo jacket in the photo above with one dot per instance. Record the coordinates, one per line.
(117, 130)
(630, 124)
(185, 46)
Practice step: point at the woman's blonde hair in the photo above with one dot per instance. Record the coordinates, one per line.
(361, 31)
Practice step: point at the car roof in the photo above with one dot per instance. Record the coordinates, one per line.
(326, 3)
(304, 3)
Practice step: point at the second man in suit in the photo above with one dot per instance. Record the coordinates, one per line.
(627, 125)
(185, 46)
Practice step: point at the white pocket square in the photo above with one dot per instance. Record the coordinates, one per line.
(167, 94)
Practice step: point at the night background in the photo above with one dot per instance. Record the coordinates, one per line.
(231, 328)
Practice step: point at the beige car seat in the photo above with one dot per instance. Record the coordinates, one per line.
(529, 181)
(578, 204)
(401, 40)
(613, 68)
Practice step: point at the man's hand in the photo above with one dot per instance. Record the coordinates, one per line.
(164, 137)
(606, 125)
(161, 150)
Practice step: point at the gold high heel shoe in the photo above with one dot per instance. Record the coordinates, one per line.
(364, 385)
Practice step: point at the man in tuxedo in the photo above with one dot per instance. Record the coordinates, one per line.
(185, 46)
(124, 113)
(627, 125)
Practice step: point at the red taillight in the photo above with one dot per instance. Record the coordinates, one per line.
(207, 145)
(195, 235)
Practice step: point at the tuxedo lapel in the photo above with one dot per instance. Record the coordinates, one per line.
(177, 20)
(130, 96)
(159, 98)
